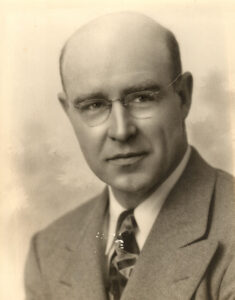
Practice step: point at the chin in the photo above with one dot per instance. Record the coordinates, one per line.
(132, 184)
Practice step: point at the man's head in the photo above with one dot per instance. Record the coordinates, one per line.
(131, 149)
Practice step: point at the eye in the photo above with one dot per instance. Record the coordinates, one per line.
(91, 105)
(94, 105)
(142, 97)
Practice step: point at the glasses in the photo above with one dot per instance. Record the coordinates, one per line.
(140, 105)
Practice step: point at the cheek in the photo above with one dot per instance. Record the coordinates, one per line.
(89, 143)
(165, 131)
(89, 149)
(171, 117)
(90, 140)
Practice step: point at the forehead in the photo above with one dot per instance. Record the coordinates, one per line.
(104, 60)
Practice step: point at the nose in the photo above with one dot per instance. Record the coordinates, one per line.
(121, 127)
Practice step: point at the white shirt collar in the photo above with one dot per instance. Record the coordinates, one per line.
(147, 211)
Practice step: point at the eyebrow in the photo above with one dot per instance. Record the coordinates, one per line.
(142, 87)
(145, 86)
(88, 96)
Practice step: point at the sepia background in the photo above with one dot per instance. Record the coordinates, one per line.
(43, 173)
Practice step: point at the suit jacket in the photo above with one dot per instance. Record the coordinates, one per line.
(189, 253)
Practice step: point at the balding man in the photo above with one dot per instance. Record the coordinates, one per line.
(164, 226)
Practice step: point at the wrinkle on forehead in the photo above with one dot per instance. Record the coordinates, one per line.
(123, 42)
(118, 86)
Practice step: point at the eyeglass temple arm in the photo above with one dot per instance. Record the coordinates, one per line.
(174, 80)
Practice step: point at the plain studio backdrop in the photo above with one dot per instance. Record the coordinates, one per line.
(43, 173)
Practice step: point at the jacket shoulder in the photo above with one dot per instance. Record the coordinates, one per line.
(224, 205)
(60, 231)
(226, 179)
(225, 188)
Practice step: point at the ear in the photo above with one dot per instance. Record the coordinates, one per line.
(184, 91)
(63, 101)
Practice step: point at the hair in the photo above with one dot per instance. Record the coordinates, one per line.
(172, 45)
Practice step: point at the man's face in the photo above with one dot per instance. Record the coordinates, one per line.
(130, 154)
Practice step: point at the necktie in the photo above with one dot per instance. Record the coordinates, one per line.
(125, 254)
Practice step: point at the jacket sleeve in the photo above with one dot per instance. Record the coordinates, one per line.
(34, 286)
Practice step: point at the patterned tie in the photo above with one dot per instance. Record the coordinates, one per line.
(125, 254)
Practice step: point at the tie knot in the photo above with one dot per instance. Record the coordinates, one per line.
(125, 236)
(126, 222)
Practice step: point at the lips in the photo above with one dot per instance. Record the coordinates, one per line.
(122, 159)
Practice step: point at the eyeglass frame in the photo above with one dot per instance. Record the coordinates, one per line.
(109, 102)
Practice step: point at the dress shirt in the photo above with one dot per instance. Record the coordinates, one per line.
(146, 212)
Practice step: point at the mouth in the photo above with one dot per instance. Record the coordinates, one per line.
(123, 159)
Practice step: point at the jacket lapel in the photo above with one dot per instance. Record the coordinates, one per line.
(177, 251)
(83, 277)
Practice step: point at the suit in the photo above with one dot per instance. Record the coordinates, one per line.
(189, 253)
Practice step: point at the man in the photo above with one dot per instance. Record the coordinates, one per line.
(163, 228)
